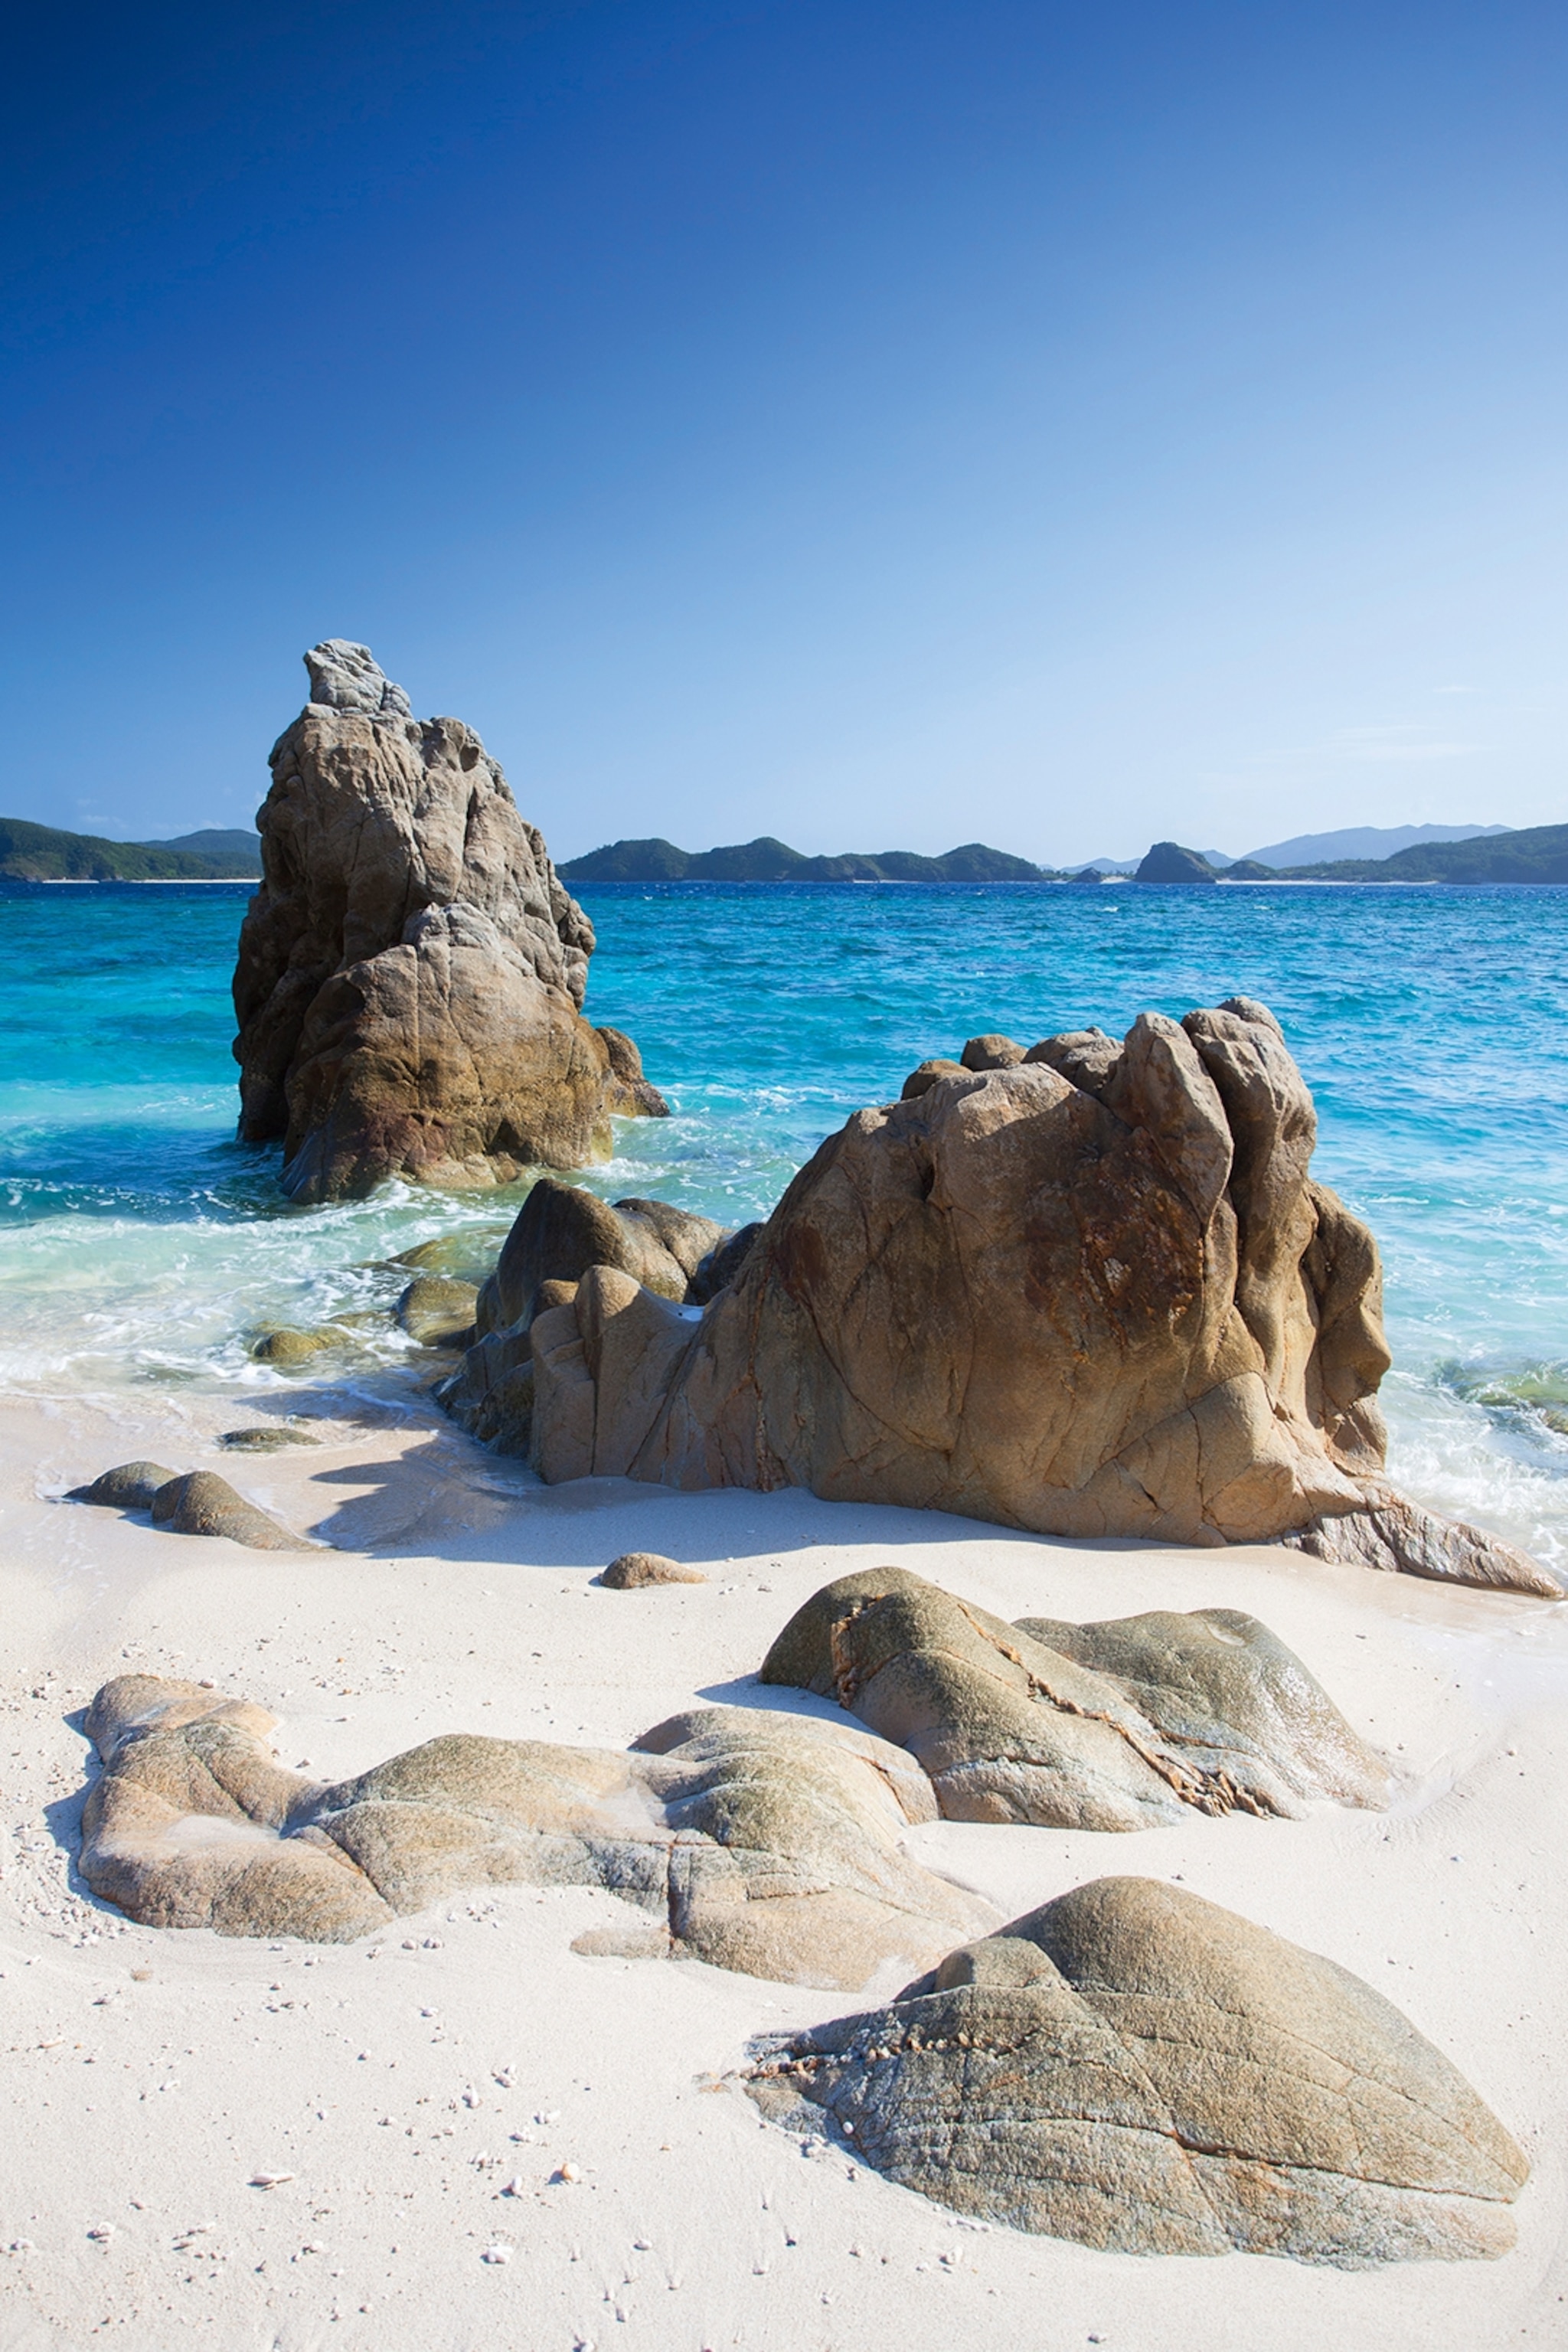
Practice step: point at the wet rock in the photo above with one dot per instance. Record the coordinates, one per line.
(1111, 1727)
(287, 1349)
(628, 1093)
(129, 1486)
(1118, 1307)
(438, 1312)
(412, 970)
(202, 1504)
(468, 1255)
(269, 1440)
(635, 1569)
(1135, 2068)
(763, 1842)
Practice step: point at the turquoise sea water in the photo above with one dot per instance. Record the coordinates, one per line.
(140, 1243)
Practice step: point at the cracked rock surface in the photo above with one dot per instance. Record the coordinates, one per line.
(763, 1842)
(1095, 1292)
(1108, 1726)
(411, 973)
(1135, 2068)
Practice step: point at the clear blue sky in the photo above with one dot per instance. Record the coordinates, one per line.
(879, 425)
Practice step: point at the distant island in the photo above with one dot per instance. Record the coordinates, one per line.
(767, 860)
(41, 853)
(1538, 854)
(33, 853)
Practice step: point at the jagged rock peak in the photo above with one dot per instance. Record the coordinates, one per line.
(346, 677)
(411, 971)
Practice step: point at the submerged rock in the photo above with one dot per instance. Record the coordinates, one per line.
(1111, 1727)
(468, 1255)
(763, 1842)
(269, 1440)
(635, 1571)
(1135, 2068)
(438, 1312)
(1094, 1293)
(411, 971)
(288, 1349)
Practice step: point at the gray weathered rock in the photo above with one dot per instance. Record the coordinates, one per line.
(129, 1486)
(763, 1842)
(1099, 1300)
(1111, 1726)
(202, 1504)
(345, 677)
(635, 1571)
(411, 973)
(1135, 2068)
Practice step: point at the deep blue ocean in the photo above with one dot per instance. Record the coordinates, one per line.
(142, 1244)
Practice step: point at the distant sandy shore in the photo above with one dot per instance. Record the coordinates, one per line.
(152, 2075)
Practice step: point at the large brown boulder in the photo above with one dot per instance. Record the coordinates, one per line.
(1135, 2068)
(1096, 1293)
(767, 1843)
(411, 973)
(1117, 1726)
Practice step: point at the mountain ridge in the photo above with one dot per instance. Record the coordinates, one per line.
(46, 853)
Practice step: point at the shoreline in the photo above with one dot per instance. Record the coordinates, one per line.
(154, 2072)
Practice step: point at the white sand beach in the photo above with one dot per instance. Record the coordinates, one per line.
(481, 2137)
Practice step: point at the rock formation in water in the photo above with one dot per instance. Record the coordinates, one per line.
(1094, 1293)
(1120, 1726)
(411, 971)
(1135, 2068)
(763, 1842)
(1169, 862)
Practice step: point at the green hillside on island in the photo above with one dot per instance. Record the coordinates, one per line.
(42, 853)
(1537, 854)
(767, 860)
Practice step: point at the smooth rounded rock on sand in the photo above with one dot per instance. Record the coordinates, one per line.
(1137, 2069)
(767, 1843)
(129, 1486)
(1119, 1725)
(634, 1571)
(202, 1504)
